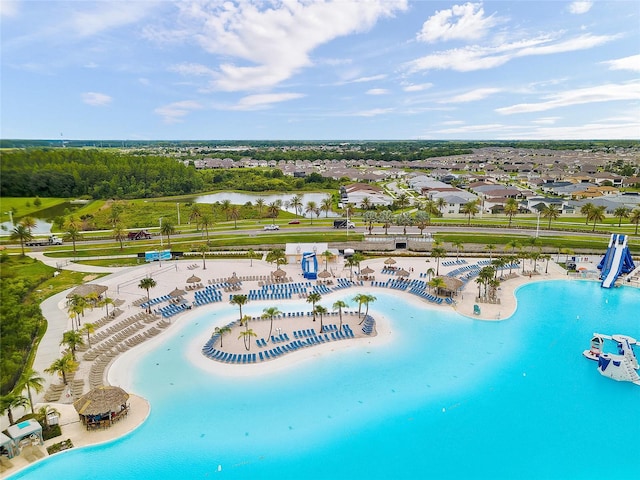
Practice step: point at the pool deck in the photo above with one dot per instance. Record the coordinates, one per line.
(131, 332)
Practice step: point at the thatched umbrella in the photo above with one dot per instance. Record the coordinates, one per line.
(452, 284)
(176, 292)
(402, 273)
(279, 273)
(193, 279)
(367, 270)
(389, 261)
(233, 280)
(324, 274)
(87, 289)
(101, 402)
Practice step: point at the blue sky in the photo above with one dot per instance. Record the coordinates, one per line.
(302, 69)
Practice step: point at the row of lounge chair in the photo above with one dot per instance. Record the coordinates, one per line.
(171, 310)
(155, 301)
(207, 296)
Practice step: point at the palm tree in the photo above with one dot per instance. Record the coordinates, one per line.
(273, 209)
(367, 300)
(326, 205)
(489, 247)
(167, 229)
(551, 211)
(385, 217)
(369, 218)
(421, 219)
(313, 298)
(430, 273)
(403, 220)
(320, 310)
(206, 223)
(32, 380)
(45, 411)
(535, 256)
(586, 210)
(597, 214)
(147, 284)
(360, 299)
(72, 232)
(203, 249)
(351, 262)
(436, 284)
(234, 214)
(296, 203)
(221, 331)
(11, 401)
(105, 302)
(327, 256)
(269, 313)
(246, 337)
(73, 340)
(239, 300)
(635, 218)
(76, 307)
(438, 253)
(620, 213)
(276, 255)
(312, 208)
(62, 366)
(440, 204)
(251, 253)
(119, 234)
(512, 244)
(29, 223)
(195, 214)
(546, 257)
(470, 209)
(339, 305)
(260, 205)
(402, 201)
(88, 328)
(511, 209)
(22, 234)
(459, 246)
(365, 204)
(225, 206)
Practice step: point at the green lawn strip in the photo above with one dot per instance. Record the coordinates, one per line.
(20, 208)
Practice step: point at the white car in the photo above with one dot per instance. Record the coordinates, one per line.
(271, 227)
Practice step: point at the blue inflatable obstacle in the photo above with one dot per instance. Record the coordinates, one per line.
(310, 265)
(616, 261)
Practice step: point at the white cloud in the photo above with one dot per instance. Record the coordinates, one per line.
(580, 7)
(271, 40)
(374, 112)
(461, 22)
(417, 87)
(257, 102)
(9, 8)
(377, 91)
(176, 111)
(101, 16)
(631, 63)
(600, 93)
(472, 96)
(481, 58)
(192, 69)
(546, 120)
(372, 78)
(96, 99)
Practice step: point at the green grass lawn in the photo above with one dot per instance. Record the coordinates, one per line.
(21, 206)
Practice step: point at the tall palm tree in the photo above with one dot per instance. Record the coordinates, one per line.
(147, 284)
(369, 218)
(76, 308)
(402, 201)
(385, 217)
(430, 273)
(365, 204)
(88, 329)
(240, 300)
(105, 302)
(73, 340)
(72, 232)
(551, 211)
(438, 253)
(246, 337)
(351, 262)
(586, 210)
(360, 299)
(206, 222)
(273, 209)
(313, 298)
(225, 206)
(327, 256)
(269, 313)
(339, 305)
(251, 253)
(296, 204)
(221, 331)
(168, 229)
(119, 234)
(32, 380)
(470, 209)
(511, 209)
(436, 284)
(311, 208)
(10, 402)
(421, 219)
(29, 223)
(489, 247)
(22, 234)
(203, 249)
(597, 214)
(368, 299)
(326, 205)
(320, 310)
(62, 366)
(459, 246)
(260, 206)
(440, 204)
(234, 214)
(634, 218)
(620, 213)
(195, 213)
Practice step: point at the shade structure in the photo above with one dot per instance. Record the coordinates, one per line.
(324, 274)
(193, 279)
(451, 283)
(176, 292)
(389, 261)
(29, 430)
(233, 280)
(367, 270)
(7, 444)
(101, 400)
(279, 273)
(402, 273)
(87, 289)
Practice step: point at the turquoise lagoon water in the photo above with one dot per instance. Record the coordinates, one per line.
(448, 397)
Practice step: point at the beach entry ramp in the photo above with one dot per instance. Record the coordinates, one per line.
(616, 260)
(310, 265)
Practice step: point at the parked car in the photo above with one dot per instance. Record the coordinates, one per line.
(294, 222)
(271, 227)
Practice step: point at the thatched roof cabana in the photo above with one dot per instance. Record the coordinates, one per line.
(452, 284)
(193, 279)
(367, 270)
(324, 274)
(102, 404)
(389, 261)
(176, 292)
(402, 273)
(86, 289)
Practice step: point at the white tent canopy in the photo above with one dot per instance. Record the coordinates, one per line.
(28, 428)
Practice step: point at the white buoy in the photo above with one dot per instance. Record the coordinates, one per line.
(443, 410)
(219, 468)
(524, 374)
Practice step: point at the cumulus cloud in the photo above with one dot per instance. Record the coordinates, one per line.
(601, 93)
(631, 63)
(96, 99)
(580, 7)
(258, 102)
(268, 42)
(176, 111)
(461, 22)
(472, 96)
(477, 57)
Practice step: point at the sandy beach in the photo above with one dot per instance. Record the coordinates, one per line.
(108, 361)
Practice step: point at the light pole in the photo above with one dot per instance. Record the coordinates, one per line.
(178, 207)
(538, 225)
(161, 241)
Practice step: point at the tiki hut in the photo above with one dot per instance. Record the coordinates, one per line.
(451, 285)
(324, 274)
(102, 406)
(279, 275)
(176, 292)
(193, 279)
(233, 280)
(389, 261)
(402, 273)
(367, 271)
